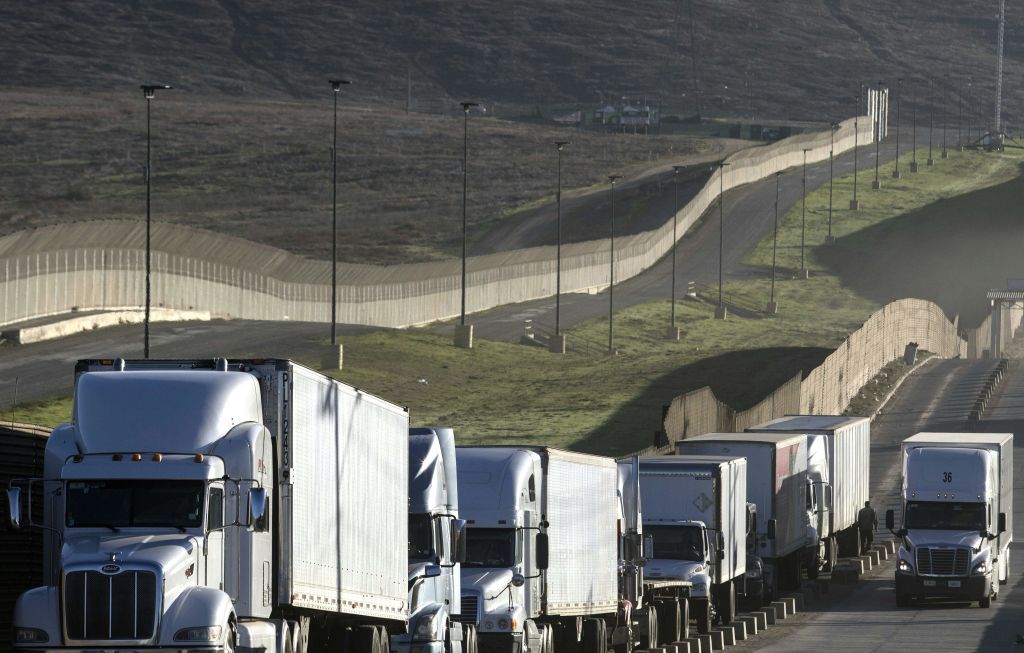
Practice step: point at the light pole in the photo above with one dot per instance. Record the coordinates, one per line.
(831, 152)
(336, 85)
(945, 152)
(960, 118)
(804, 273)
(463, 335)
(913, 139)
(558, 248)
(931, 120)
(854, 203)
(899, 96)
(720, 311)
(148, 92)
(673, 332)
(970, 112)
(611, 264)
(773, 307)
(877, 183)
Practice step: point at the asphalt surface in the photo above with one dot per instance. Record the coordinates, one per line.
(749, 217)
(936, 398)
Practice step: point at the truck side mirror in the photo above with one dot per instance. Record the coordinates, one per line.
(890, 519)
(257, 504)
(751, 522)
(1002, 523)
(542, 551)
(720, 541)
(14, 507)
(770, 529)
(431, 571)
(458, 540)
(647, 552)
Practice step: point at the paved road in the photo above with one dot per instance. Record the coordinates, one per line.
(937, 398)
(749, 217)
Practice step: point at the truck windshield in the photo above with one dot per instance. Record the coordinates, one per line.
(490, 547)
(136, 502)
(421, 537)
(948, 516)
(677, 542)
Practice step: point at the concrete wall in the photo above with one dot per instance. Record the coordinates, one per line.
(979, 340)
(98, 265)
(828, 388)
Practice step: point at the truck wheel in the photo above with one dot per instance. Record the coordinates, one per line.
(684, 619)
(1004, 564)
(469, 641)
(702, 615)
(985, 602)
(668, 621)
(812, 566)
(831, 553)
(725, 604)
(549, 638)
(366, 639)
(648, 618)
(592, 639)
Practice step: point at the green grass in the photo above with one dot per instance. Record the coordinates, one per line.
(44, 413)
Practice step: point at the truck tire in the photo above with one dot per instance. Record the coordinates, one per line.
(725, 603)
(669, 620)
(702, 615)
(831, 553)
(366, 639)
(648, 618)
(549, 638)
(593, 636)
(985, 602)
(1004, 563)
(684, 619)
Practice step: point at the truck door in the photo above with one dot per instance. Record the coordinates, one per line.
(213, 550)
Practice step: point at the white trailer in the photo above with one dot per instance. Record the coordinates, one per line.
(226, 505)
(541, 546)
(838, 470)
(777, 485)
(957, 517)
(696, 509)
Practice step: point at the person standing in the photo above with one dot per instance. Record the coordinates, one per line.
(867, 523)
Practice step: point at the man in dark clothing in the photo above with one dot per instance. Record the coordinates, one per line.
(867, 522)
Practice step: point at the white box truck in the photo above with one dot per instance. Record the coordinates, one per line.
(541, 547)
(695, 507)
(957, 517)
(220, 505)
(777, 485)
(838, 480)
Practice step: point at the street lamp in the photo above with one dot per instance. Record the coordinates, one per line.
(854, 204)
(913, 141)
(336, 85)
(673, 330)
(148, 92)
(831, 152)
(804, 273)
(720, 312)
(945, 121)
(463, 336)
(970, 112)
(611, 263)
(877, 183)
(960, 118)
(558, 247)
(931, 120)
(899, 96)
(773, 307)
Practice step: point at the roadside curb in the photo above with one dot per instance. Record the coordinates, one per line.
(71, 325)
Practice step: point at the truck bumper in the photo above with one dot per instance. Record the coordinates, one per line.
(499, 642)
(416, 647)
(971, 588)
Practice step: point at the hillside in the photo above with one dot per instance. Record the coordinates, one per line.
(801, 60)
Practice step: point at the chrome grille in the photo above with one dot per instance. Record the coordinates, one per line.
(942, 562)
(115, 607)
(470, 607)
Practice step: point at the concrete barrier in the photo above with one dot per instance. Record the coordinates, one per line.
(62, 327)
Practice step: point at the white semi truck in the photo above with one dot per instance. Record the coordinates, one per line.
(777, 485)
(436, 547)
(216, 505)
(695, 507)
(957, 517)
(838, 481)
(541, 548)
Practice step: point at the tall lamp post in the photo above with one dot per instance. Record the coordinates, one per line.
(931, 121)
(899, 93)
(877, 183)
(913, 140)
(464, 334)
(559, 343)
(831, 156)
(960, 118)
(854, 203)
(148, 92)
(945, 152)
(773, 307)
(673, 330)
(804, 272)
(611, 265)
(336, 85)
(720, 311)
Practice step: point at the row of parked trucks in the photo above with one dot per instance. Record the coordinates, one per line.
(256, 505)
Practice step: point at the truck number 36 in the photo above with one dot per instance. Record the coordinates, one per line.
(947, 477)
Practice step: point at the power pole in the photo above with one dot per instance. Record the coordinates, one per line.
(997, 133)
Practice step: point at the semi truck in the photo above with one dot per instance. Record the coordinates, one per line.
(219, 505)
(695, 507)
(652, 609)
(541, 561)
(957, 517)
(777, 485)
(838, 477)
(436, 547)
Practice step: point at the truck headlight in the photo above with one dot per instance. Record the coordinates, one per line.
(904, 567)
(980, 569)
(30, 636)
(425, 628)
(198, 634)
(701, 588)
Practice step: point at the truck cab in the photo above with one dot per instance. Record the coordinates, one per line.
(683, 550)
(820, 551)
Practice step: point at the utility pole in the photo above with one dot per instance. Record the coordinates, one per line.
(854, 203)
(148, 92)
(464, 333)
(899, 96)
(877, 183)
(558, 343)
(831, 157)
(673, 330)
(931, 120)
(773, 307)
(336, 85)
(611, 266)
(997, 133)
(720, 312)
(913, 146)
(804, 272)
